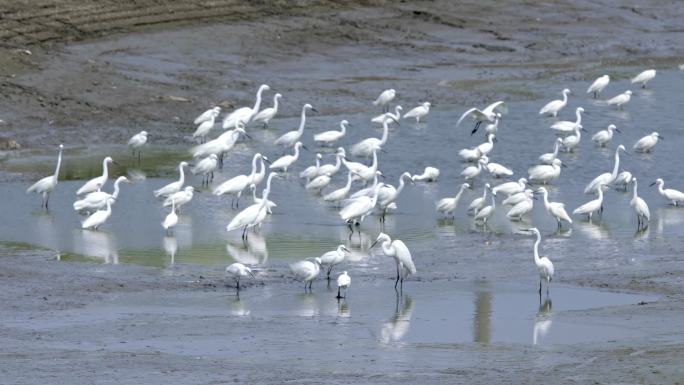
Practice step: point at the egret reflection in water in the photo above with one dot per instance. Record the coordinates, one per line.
(396, 328)
(542, 321)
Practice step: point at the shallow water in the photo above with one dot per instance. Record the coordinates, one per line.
(302, 226)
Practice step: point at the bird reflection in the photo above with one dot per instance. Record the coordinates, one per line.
(307, 305)
(543, 320)
(136, 175)
(593, 230)
(46, 229)
(238, 308)
(98, 244)
(343, 309)
(482, 321)
(171, 247)
(253, 253)
(396, 328)
(668, 216)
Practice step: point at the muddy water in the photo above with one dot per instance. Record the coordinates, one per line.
(479, 282)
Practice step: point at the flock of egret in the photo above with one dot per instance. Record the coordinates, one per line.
(374, 196)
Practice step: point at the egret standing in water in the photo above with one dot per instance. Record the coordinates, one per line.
(181, 198)
(593, 205)
(287, 160)
(385, 98)
(341, 193)
(206, 167)
(137, 142)
(333, 258)
(289, 139)
(647, 143)
(598, 85)
(604, 136)
(606, 178)
(644, 77)
(97, 200)
(343, 282)
(328, 138)
(205, 126)
(401, 254)
(171, 219)
(307, 270)
(544, 264)
(620, 100)
(447, 206)
(237, 184)
(418, 112)
(208, 115)
(489, 114)
(97, 183)
(245, 114)
(430, 174)
(553, 107)
(640, 207)
(96, 219)
(672, 195)
(549, 157)
(252, 215)
(565, 126)
(267, 114)
(173, 187)
(238, 270)
(46, 185)
(555, 209)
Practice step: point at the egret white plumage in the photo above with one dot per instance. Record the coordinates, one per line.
(206, 167)
(97, 183)
(545, 173)
(472, 172)
(647, 143)
(318, 183)
(544, 264)
(250, 216)
(286, 161)
(269, 113)
(555, 209)
(385, 98)
(604, 136)
(256, 199)
(220, 145)
(571, 141)
(640, 207)
(173, 187)
(470, 154)
(553, 107)
(238, 270)
(488, 114)
(207, 115)
(332, 169)
(430, 174)
(672, 195)
(307, 270)
(343, 282)
(401, 254)
(367, 173)
(370, 190)
(97, 200)
(358, 209)
(620, 100)
(328, 138)
(593, 205)
(237, 184)
(492, 128)
(623, 179)
(565, 126)
(516, 198)
(382, 117)
(520, 209)
(181, 197)
(486, 212)
(341, 193)
(171, 219)
(137, 142)
(418, 112)
(606, 178)
(98, 218)
(46, 185)
(644, 77)
(510, 188)
(312, 171)
(334, 258)
(549, 157)
(447, 206)
(479, 203)
(365, 148)
(245, 114)
(598, 85)
(495, 169)
(206, 125)
(289, 139)
(487, 147)
(389, 194)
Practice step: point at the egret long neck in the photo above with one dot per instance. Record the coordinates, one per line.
(115, 194)
(296, 153)
(388, 249)
(613, 175)
(401, 184)
(397, 113)
(105, 170)
(109, 207)
(275, 104)
(459, 193)
(546, 198)
(257, 103)
(374, 166)
(338, 163)
(173, 203)
(343, 129)
(537, 260)
(59, 163)
(565, 98)
(254, 167)
(635, 190)
(385, 132)
(556, 146)
(302, 122)
(578, 114)
(484, 193)
(349, 181)
(182, 174)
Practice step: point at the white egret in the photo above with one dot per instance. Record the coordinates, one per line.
(430, 174)
(495, 169)
(207, 115)
(418, 112)
(545, 173)
(341, 193)
(553, 107)
(447, 206)
(644, 77)
(647, 143)
(604, 136)
(385, 98)
(245, 114)
(598, 85)
(351, 166)
(269, 113)
(544, 264)
(479, 203)
(171, 219)
(357, 209)
(395, 116)
(640, 207)
(97, 200)
(510, 188)
(389, 194)
(486, 212)
(470, 154)
(472, 172)
(343, 282)
(518, 197)
(238, 270)
(672, 195)
(606, 178)
(365, 148)
(593, 205)
(99, 217)
(332, 169)
(256, 199)
(286, 161)
(366, 173)
(623, 179)
(205, 126)
(289, 139)
(333, 258)
(565, 126)
(571, 141)
(261, 216)
(489, 114)
(319, 183)
(96, 184)
(328, 138)
(181, 197)
(520, 209)
(487, 147)
(620, 100)
(137, 142)
(254, 214)
(307, 270)
(312, 171)
(549, 157)
(206, 167)
(46, 185)
(401, 254)
(370, 190)
(493, 128)
(173, 187)
(220, 145)
(259, 176)
(237, 184)
(555, 209)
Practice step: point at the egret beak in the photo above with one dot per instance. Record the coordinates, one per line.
(396, 121)
(382, 175)
(652, 184)
(266, 159)
(495, 140)
(197, 190)
(535, 198)
(247, 135)
(660, 136)
(383, 151)
(584, 129)
(314, 110)
(374, 243)
(304, 147)
(116, 163)
(618, 130)
(564, 165)
(251, 274)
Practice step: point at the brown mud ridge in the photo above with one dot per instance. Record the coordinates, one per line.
(80, 71)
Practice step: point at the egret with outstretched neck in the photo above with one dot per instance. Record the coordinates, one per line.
(544, 264)
(606, 179)
(96, 184)
(46, 185)
(289, 139)
(640, 207)
(401, 254)
(173, 187)
(267, 114)
(555, 209)
(245, 114)
(553, 107)
(447, 206)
